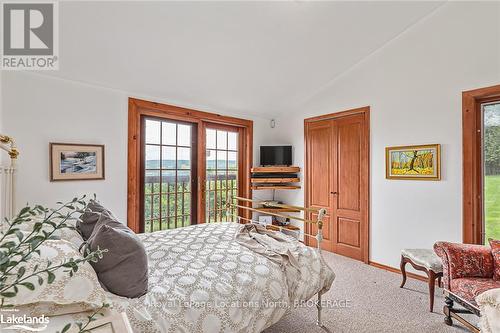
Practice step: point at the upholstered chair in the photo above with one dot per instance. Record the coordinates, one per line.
(467, 272)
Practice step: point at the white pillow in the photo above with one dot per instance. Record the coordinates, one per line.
(65, 294)
(66, 234)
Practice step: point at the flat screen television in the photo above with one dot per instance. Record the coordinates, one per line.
(275, 155)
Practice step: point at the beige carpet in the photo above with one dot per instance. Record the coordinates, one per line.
(377, 304)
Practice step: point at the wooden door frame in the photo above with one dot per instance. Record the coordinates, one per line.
(365, 169)
(138, 108)
(472, 202)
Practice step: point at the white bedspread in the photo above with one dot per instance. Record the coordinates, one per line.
(202, 280)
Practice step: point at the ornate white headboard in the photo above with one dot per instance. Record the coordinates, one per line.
(7, 179)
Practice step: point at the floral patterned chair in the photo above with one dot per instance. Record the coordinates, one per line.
(467, 272)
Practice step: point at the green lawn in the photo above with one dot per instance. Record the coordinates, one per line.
(492, 207)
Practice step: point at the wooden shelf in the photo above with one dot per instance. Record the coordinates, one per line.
(276, 169)
(279, 210)
(291, 227)
(275, 180)
(275, 187)
(278, 228)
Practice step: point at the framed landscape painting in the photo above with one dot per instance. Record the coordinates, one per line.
(413, 162)
(70, 161)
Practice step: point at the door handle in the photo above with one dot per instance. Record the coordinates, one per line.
(335, 193)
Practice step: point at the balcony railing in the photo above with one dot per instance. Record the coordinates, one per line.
(167, 200)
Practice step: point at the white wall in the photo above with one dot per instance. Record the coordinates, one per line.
(413, 86)
(41, 109)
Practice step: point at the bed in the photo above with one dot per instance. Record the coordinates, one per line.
(202, 279)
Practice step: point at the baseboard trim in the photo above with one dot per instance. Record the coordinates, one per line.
(396, 270)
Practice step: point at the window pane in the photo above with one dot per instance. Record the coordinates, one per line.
(168, 133)
(183, 135)
(232, 142)
(152, 157)
(221, 159)
(168, 157)
(152, 181)
(211, 200)
(232, 177)
(167, 180)
(171, 206)
(211, 138)
(232, 160)
(164, 223)
(152, 131)
(156, 225)
(187, 203)
(491, 158)
(221, 140)
(211, 154)
(183, 158)
(164, 206)
(183, 179)
(156, 206)
(210, 180)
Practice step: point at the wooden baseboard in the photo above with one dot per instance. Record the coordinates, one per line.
(396, 270)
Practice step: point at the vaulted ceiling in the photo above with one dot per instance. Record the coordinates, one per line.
(256, 57)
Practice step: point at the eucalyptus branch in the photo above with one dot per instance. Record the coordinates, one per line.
(72, 264)
(91, 318)
(32, 250)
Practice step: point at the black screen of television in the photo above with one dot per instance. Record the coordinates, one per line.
(276, 155)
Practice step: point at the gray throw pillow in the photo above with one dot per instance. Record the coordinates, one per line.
(123, 270)
(90, 217)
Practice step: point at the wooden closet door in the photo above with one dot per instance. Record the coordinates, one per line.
(337, 178)
(349, 192)
(319, 178)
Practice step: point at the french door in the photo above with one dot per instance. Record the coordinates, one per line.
(169, 170)
(337, 170)
(184, 165)
(221, 171)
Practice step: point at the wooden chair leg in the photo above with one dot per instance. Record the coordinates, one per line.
(447, 311)
(432, 284)
(403, 271)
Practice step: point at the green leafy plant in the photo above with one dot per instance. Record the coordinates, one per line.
(19, 243)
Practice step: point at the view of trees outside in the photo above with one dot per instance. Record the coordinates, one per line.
(491, 158)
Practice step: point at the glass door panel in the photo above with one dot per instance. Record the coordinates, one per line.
(221, 172)
(491, 170)
(168, 174)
